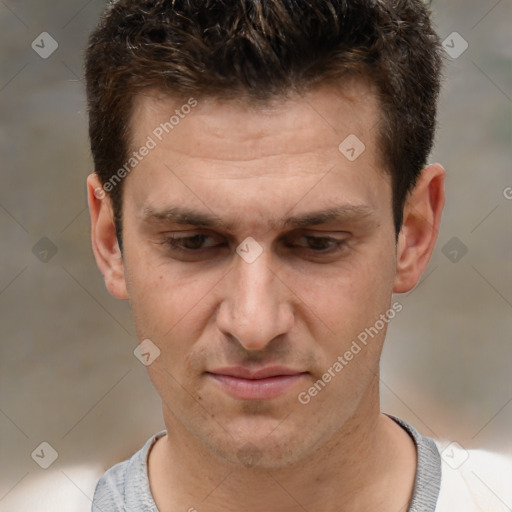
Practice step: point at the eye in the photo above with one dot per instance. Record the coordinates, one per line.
(191, 246)
(192, 243)
(319, 244)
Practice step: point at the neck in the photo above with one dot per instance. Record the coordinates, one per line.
(370, 462)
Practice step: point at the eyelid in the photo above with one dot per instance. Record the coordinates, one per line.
(331, 235)
(179, 235)
(169, 238)
(296, 233)
(334, 242)
(335, 245)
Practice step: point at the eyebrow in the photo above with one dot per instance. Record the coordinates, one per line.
(189, 217)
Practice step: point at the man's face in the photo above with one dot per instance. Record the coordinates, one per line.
(265, 173)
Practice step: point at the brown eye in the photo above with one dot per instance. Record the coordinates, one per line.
(318, 244)
(192, 243)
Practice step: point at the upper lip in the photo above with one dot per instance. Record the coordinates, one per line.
(245, 373)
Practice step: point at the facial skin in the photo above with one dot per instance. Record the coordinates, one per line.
(300, 304)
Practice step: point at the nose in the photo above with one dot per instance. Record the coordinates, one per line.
(256, 306)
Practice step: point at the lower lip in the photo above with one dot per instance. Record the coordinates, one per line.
(257, 389)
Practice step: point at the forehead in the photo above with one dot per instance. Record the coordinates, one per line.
(238, 129)
(260, 160)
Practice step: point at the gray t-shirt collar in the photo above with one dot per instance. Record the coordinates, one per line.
(125, 486)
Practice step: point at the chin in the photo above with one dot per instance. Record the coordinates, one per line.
(262, 455)
(259, 446)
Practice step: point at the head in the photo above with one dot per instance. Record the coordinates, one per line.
(304, 126)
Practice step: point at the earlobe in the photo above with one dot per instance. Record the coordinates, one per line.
(104, 241)
(417, 238)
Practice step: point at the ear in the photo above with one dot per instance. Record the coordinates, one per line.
(417, 238)
(104, 241)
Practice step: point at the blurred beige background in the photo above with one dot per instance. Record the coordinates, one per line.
(68, 375)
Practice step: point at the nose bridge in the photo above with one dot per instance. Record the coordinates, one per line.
(255, 286)
(254, 309)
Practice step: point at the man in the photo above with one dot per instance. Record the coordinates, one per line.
(260, 192)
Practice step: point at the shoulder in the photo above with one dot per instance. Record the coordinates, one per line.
(109, 494)
(474, 480)
(125, 486)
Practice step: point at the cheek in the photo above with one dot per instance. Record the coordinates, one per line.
(343, 300)
(348, 334)
(172, 312)
(164, 302)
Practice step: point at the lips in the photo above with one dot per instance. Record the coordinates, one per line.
(245, 384)
(243, 372)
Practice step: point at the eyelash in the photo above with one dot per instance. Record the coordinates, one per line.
(173, 242)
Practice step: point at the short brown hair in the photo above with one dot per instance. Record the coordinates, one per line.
(263, 49)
